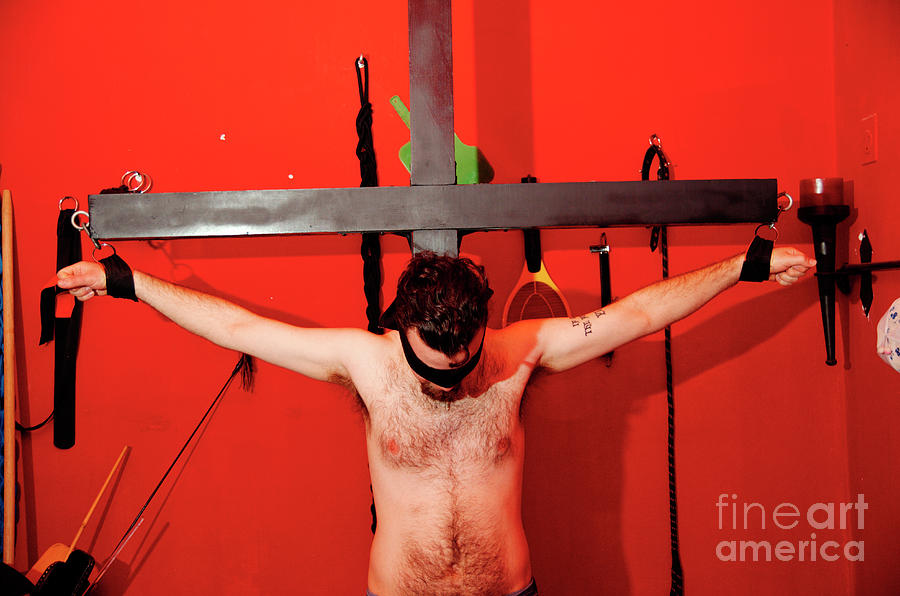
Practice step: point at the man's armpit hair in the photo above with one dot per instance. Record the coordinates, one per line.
(349, 387)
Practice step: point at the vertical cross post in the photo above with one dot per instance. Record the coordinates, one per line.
(433, 160)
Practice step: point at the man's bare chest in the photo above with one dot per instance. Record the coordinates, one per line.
(479, 426)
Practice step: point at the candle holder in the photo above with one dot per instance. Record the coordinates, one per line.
(822, 206)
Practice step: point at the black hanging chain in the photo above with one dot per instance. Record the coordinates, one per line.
(660, 236)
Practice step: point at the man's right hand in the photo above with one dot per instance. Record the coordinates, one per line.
(84, 280)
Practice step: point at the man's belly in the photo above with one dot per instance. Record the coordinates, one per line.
(458, 535)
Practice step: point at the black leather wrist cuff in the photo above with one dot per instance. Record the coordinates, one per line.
(757, 262)
(119, 278)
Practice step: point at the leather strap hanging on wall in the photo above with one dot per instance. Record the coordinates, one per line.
(65, 329)
(659, 236)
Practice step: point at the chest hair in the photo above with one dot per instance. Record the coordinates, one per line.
(472, 424)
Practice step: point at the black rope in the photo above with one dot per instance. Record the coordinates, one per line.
(368, 173)
(677, 588)
(371, 241)
(365, 150)
(371, 255)
(660, 235)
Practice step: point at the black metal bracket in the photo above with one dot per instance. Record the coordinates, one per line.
(864, 269)
(848, 270)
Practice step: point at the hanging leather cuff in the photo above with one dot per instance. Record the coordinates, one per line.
(119, 278)
(757, 261)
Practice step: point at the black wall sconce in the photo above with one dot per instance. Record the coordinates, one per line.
(822, 206)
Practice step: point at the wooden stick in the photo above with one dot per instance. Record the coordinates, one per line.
(96, 500)
(9, 386)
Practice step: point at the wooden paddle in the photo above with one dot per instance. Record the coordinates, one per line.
(537, 296)
(471, 165)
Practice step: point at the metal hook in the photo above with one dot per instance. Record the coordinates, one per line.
(656, 141)
(360, 62)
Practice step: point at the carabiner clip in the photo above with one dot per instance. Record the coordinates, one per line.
(781, 210)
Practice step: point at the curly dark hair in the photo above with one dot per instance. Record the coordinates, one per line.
(445, 298)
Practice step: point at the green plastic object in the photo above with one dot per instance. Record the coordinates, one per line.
(471, 165)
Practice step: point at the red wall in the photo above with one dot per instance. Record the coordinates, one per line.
(866, 48)
(275, 497)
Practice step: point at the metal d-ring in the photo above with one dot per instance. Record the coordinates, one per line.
(144, 181)
(130, 176)
(771, 226)
(86, 225)
(100, 247)
(63, 200)
(149, 183)
(790, 201)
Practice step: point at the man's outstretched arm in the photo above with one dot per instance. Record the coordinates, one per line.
(564, 343)
(316, 353)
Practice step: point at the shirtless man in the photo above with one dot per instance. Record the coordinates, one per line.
(442, 396)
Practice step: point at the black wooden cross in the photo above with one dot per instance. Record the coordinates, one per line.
(433, 209)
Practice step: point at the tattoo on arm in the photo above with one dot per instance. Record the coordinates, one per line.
(584, 322)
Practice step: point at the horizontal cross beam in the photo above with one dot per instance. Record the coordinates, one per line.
(448, 207)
